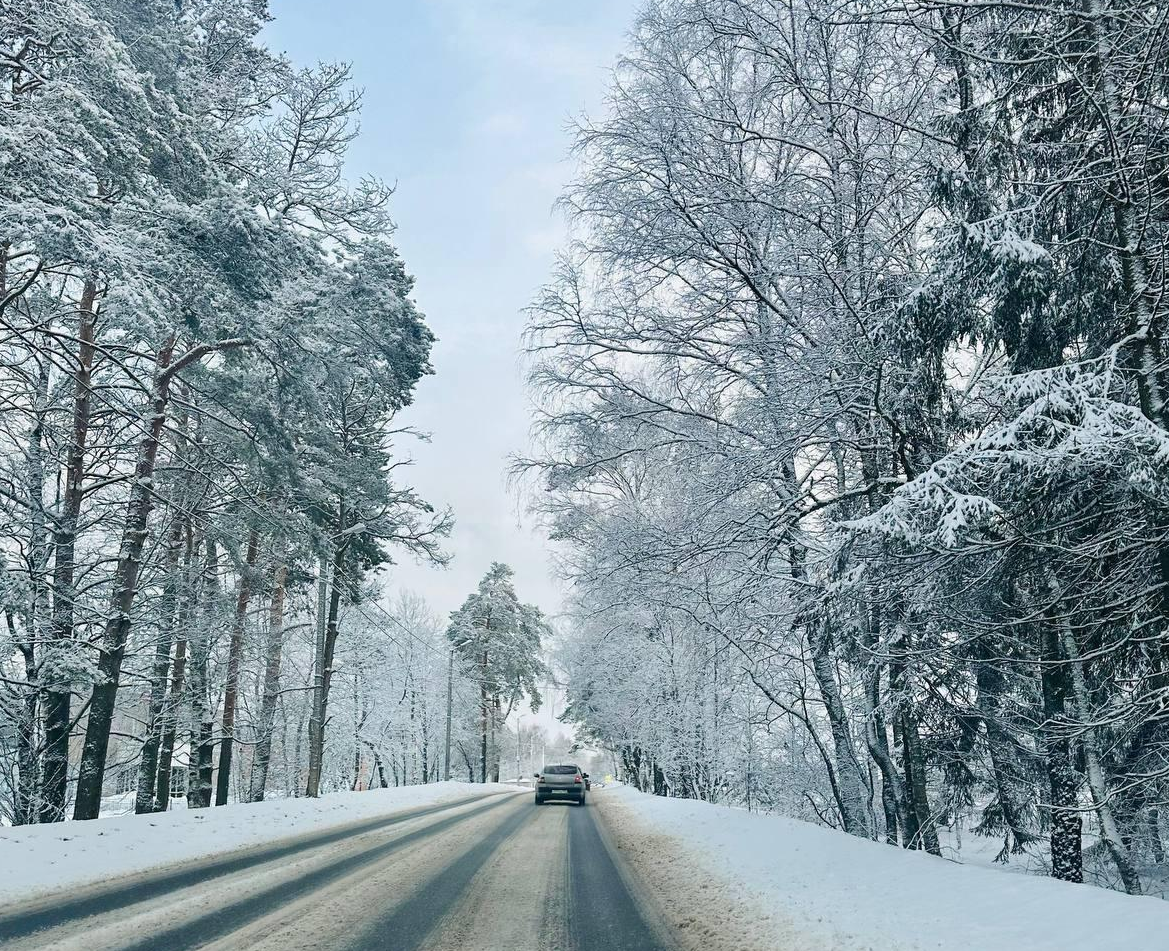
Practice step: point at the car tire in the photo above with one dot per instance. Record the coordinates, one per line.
(581, 801)
(539, 800)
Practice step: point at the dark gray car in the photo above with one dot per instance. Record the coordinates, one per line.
(563, 781)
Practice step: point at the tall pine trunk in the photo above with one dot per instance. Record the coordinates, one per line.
(234, 660)
(855, 814)
(494, 741)
(483, 715)
(1013, 787)
(893, 798)
(325, 663)
(915, 781)
(1067, 859)
(144, 801)
(202, 745)
(24, 806)
(91, 773)
(58, 689)
(1097, 781)
(273, 652)
(922, 830)
(170, 716)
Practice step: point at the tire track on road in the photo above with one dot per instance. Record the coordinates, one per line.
(54, 909)
(194, 931)
(411, 923)
(604, 910)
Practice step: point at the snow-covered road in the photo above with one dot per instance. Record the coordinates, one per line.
(487, 873)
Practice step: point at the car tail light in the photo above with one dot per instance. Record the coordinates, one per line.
(577, 780)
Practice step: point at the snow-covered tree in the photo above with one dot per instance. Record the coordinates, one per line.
(205, 335)
(498, 642)
(852, 380)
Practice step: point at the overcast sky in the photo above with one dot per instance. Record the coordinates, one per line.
(467, 107)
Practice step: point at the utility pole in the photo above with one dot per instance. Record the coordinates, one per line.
(450, 683)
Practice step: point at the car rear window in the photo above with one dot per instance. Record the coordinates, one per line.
(559, 770)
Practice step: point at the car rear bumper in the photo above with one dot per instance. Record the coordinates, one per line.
(568, 792)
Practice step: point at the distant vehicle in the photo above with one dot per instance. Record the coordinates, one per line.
(561, 781)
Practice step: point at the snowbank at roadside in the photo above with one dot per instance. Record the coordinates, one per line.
(728, 878)
(42, 858)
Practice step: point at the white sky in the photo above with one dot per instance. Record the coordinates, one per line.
(467, 104)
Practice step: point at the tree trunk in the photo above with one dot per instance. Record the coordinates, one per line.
(271, 686)
(358, 722)
(483, 713)
(91, 773)
(1153, 829)
(318, 667)
(921, 831)
(1010, 782)
(450, 683)
(148, 765)
(325, 677)
(660, 786)
(234, 660)
(855, 814)
(166, 747)
(1097, 782)
(893, 799)
(201, 743)
(1067, 860)
(494, 740)
(170, 715)
(39, 664)
(24, 808)
(915, 776)
(58, 690)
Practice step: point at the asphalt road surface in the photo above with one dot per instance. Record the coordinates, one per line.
(494, 873)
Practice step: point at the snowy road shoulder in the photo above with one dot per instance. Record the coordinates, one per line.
(729, 879)
(43, 858)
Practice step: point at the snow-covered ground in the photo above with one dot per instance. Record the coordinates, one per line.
(42, 858)
(730, 879)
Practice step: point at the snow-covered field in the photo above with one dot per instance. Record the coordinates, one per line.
(42, 858)
(730, 879)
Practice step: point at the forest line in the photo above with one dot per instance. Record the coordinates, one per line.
(206, 339)
(854, 420)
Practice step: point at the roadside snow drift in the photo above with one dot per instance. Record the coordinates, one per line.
(42, 858)
(729, 879)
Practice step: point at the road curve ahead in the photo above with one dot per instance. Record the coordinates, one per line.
(495, 873)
